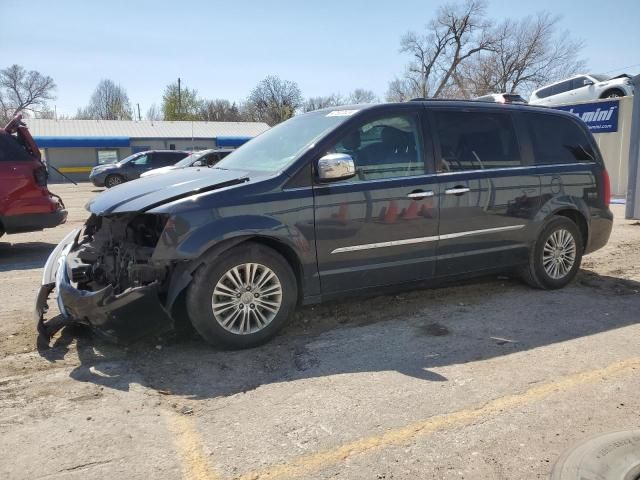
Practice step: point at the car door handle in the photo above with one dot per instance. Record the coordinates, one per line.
(457, 190)
(421, 194)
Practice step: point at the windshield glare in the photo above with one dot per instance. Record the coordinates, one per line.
(600, 78)
(277, 148)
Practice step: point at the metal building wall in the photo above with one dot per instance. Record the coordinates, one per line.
(615, 148)
(75, 163)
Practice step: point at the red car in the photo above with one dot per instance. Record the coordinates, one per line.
(25, 202)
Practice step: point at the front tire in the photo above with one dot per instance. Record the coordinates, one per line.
(555, 258)
(113, 180)
(242, 298)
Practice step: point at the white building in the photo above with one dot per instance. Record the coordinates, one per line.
(74, 147)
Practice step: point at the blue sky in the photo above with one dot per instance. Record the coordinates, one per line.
(224, 48)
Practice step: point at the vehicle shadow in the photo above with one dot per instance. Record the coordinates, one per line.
(24, 256)
(414, 334)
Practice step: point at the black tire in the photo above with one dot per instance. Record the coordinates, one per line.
(199, 299)
(535, 273)
(614, 93)
(611, 456)
(113, 180)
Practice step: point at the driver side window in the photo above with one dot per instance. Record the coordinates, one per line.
(141, 160)
(389, 147)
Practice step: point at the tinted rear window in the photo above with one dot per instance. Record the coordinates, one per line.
(545, 92)
(558, 140)
(476, 140)
(11, 150)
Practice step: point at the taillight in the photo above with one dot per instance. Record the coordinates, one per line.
(40, 175)
(607, 187)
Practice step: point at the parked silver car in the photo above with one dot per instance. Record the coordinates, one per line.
(582, 88)
(202, 158)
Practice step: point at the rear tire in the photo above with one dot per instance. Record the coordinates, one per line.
(554, 259)
(241, 299)
(113, 180)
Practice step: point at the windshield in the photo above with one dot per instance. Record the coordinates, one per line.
(189, 159)
(277, 148)
(600, 78)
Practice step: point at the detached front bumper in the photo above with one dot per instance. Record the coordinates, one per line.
(118, 317)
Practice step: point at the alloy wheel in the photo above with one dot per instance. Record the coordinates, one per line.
(247, 298)
(114, 180)
(559, 254)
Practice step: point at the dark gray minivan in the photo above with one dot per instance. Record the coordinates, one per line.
(332, 203)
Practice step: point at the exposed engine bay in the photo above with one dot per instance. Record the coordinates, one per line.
(105, 277)
(117, 251)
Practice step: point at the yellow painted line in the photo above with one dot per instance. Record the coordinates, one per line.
(75, 169)
(308, 464)
(189, 446)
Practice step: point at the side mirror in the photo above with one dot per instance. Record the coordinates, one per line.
(336, 166)
(586, 82)
(198, 163)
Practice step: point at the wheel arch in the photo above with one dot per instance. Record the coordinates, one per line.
(577, 217)
(183, 274)
(611, 90)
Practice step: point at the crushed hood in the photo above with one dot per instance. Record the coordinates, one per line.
(147, 193)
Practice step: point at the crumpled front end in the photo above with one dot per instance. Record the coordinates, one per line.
(104, 276)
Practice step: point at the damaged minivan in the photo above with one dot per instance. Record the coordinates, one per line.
(335, 203)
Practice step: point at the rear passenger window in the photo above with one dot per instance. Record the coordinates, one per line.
(165, 158)
(557, 139)
(562, 87)
(385, 148)
(476, 141)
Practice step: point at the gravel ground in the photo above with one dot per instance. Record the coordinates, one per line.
(490, 379)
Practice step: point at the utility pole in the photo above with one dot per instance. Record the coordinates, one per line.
(179, 98)
(139, 117)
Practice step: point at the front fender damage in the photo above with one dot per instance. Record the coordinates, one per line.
(106, 278)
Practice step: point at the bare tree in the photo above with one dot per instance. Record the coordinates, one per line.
(109, 101)
(459, 32)
(219, 110)
(401, 90)
(317, 103)
(360, 95)
(526, 54)
(22, 90)
(154, 113)
(274, 100)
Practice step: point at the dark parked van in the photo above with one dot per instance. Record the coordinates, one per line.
(133, 166)
(338, 202)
